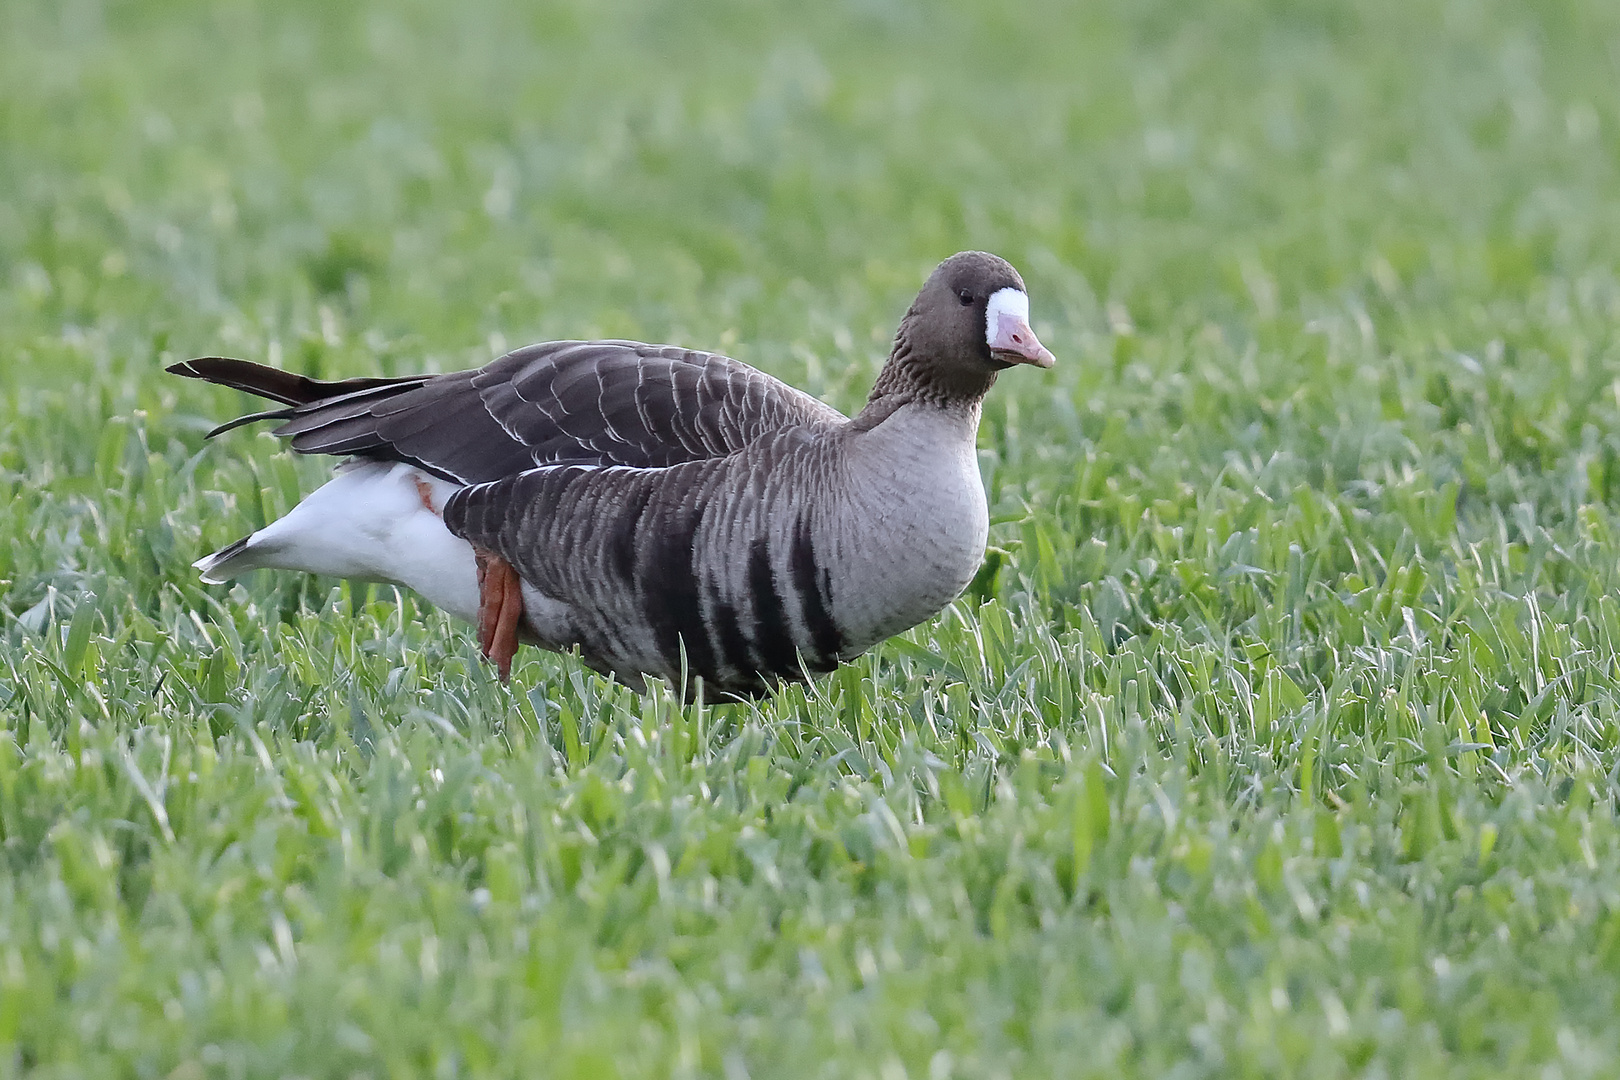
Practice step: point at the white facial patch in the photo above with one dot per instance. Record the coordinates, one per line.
(1004, 302)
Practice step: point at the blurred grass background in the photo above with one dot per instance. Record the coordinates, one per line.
(1278, 737)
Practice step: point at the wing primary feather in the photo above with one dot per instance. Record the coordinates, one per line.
(557, 403)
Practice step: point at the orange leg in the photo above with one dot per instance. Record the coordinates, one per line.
(504, 647)
(500, 609)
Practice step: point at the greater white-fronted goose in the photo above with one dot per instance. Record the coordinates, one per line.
(638, 502)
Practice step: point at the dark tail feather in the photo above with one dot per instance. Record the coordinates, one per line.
(277, 385)
(216, 567)
(290, 389)
(250, 418)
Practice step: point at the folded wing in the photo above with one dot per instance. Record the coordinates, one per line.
(556, 403)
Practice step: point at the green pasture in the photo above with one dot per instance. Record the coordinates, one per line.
(1279, 737)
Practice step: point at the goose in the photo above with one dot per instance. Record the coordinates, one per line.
(663, 511)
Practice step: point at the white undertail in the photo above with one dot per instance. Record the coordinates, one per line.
(372, 522)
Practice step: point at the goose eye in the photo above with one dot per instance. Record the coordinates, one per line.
(966, 298)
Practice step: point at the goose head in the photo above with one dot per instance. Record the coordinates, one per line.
(969, 322)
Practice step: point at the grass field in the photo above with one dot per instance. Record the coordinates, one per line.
(1280, 736)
